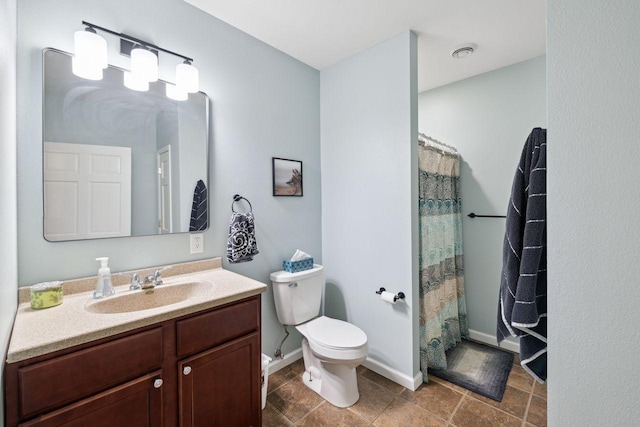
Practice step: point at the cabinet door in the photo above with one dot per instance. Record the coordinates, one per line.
(221, 386)
(55, 383)
(136, 403)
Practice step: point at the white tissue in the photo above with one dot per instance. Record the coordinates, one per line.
(299, 256)
(388, 296)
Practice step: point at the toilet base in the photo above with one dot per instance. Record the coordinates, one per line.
(334, 382)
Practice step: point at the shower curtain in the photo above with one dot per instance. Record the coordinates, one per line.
(443, 313)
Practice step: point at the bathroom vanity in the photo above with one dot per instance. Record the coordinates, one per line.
(194, 362)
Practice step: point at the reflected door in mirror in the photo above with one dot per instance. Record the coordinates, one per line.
(87, 191)
(165, 220)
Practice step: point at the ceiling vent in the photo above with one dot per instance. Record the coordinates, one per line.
(464, 50)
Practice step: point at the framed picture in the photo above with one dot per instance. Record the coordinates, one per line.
(287, 177)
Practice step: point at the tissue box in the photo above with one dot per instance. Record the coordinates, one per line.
(295, 266)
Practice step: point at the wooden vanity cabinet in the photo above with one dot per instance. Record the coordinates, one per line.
(217, 386)
(202, 369)
(219, 367)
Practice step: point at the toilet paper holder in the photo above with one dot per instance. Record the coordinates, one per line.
(399, 295)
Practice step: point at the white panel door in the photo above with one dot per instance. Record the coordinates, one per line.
(87, 191)
(165, 215)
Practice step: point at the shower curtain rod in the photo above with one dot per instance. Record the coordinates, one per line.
(474, 215)
(443, 146)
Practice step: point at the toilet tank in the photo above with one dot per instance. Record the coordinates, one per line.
(297, 295)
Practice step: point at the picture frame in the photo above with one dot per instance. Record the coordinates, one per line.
(287, 177)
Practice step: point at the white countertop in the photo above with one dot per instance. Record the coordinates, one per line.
(38, 332)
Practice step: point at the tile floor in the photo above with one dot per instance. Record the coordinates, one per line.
(385, 403)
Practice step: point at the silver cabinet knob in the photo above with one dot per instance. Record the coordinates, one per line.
(186, 370)
(158, 383)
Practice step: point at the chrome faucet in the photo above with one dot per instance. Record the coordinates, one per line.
(135, 280)
(148, 282)
(154, 279)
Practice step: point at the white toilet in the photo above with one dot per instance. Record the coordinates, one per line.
(331, 348)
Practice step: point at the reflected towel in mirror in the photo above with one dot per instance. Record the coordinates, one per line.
(199, 217)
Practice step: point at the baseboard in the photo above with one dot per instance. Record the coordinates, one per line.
(393, 374)
(288, 359)
(377, 367)
(507, 344)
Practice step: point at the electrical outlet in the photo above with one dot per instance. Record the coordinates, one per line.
(197, 243)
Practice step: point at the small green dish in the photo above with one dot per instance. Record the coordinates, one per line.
(46, 294)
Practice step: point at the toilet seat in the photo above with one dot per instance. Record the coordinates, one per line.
(334, 340)
(335, 334)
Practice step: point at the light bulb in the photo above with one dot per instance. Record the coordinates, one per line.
(86, 70)
(175, 93)
(134, 82)
(90, 54)
(144, 64)
(187, 77)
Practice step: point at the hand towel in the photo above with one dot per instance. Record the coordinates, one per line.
(241, 244)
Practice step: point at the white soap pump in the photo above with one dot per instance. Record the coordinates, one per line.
(104, 288)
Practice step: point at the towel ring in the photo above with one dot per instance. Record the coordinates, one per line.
(237, 198)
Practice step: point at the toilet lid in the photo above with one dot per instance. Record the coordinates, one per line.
(336, 333)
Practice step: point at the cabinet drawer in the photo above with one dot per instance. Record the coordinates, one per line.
(52, 383)
(216, 327)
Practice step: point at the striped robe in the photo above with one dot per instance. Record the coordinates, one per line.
(522, 308)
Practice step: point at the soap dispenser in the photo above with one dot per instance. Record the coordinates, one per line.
(104, 288)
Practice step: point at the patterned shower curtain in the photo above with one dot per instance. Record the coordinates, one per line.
(443, 312)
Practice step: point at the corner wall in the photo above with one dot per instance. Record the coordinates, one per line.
(487, 118)
(369, 197)
(8, 210)
(593, 212)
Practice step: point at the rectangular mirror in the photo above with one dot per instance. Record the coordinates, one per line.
(118, 162)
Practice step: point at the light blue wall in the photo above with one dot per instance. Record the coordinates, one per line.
(593, 212)
(369, 197)
(8, 219)
(263, 104)
(487, 118)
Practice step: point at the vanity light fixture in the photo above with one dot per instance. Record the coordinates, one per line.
(85, 69)
(90, 54)
(144, 64)
(91, 58)
(135, 82)
(176, 93)
(187, 77)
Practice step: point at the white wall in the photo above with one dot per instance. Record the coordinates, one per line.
(487, 118)
(263, 104)
(593, 212)
(8, 219)
(369, 196)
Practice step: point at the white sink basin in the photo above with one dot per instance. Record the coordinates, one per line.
(145, 299)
